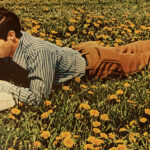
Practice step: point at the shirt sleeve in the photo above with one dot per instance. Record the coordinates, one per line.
(41, 66)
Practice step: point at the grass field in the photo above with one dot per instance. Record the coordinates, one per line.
(82, 114)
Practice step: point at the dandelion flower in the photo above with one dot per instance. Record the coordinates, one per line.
(122, 147)
(113, 148)
(122, 129)
(48, 103)
(147, 111)
(66, 88)
(45, 134)
(94, 87)
(104, 117)
(54, 32)
(145, 133)
(15, 111)
(97, 142)
(94, 113)
(91, 92)
(88, 146)
(113, 96)
(133, 122)
(78, 116)
(96, 124)
(71, 28)
(143, 120)
(58, 42)
(103, 135)
(59, 138)
(12, 116)
(45, 115)
(119, 141)
(119, 92)
(85, 106)
(83, 86)
(37, 144)
(91, 139)
(68, 142)
(65, 134)
(111, 135)
(11, 149)
(77, 79)
(96, 130)
(50, 111)
(126, 85)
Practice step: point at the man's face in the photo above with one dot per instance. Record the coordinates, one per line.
(5, 48)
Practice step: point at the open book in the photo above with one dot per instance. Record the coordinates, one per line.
(6, 101)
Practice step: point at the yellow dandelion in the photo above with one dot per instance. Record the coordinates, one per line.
(133, 122)
(99, 21)
(45, 115)
(143, 27)
(112, 97)
(91, 139)
(76, 136)
(55, 143)
(85, 106)
(45, 134)
(91, 92)
(79, 18)
(94, 113)
(96, 130)
(59, 138)
(48, 102)
(68, 142)
(113, 19)
(20, 104)
(37, 144)
(96, 124)
(71, 28)
(101, 17)
(126, 85)
(83, 86)
(97, 142)
(59, 43)
(42, 34)
(11, 149)
(122, 147)
(118, 100)
(50, 111)
(77, 79)
(66, 88)
(113, 148)
(131, 102)
(143, 120)
(11, 116)
(91, 33)
(15, 111)
(53, 32)
(119, 141)
(65, 134)
(137, 31)
(119, 92)
(86, 25)
(116, 45)
(132, 137)
(88, 20)
(88, 146)
(122, 129)
(97, 148)
(103, 135)
(78, 116)
(111, 136)
(94, 87)
(118, 40)
(73, 21)
(147, 111)
(145, 133)
(68, 34)
(104, 117)
(96, 24)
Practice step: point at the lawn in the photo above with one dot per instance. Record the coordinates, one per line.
(83, 114)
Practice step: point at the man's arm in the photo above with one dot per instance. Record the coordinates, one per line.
(41, 68)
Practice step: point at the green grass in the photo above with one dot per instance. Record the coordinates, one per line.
(21, 132)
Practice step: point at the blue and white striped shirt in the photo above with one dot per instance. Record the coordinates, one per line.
(47, 63)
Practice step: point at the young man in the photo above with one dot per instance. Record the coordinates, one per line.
(49, 64)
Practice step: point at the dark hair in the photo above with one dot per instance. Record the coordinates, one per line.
(9, 21)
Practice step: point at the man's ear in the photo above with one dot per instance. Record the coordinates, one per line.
(11, 35)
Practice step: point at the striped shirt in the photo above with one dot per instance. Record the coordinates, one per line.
(47, 63)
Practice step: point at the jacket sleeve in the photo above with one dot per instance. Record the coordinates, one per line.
(41, 66)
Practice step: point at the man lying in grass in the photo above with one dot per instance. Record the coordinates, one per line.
(48, 64)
